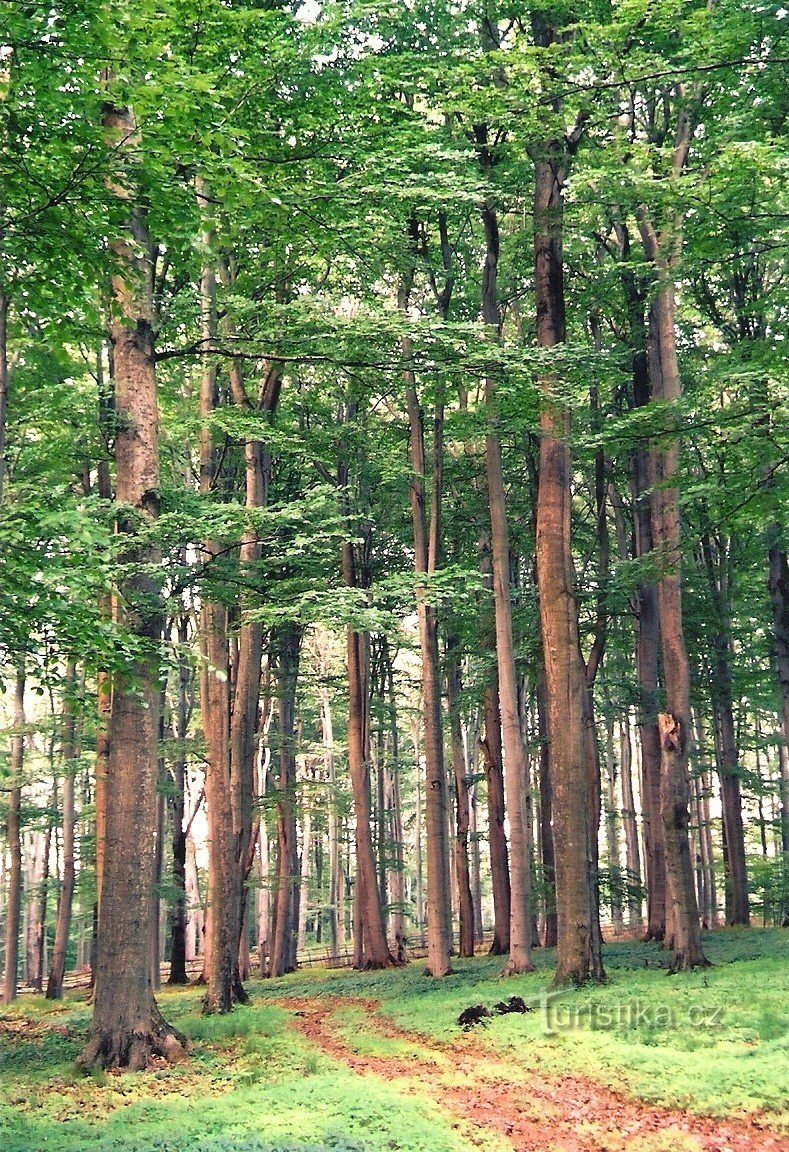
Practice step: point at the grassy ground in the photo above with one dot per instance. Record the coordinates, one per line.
(715, 1042)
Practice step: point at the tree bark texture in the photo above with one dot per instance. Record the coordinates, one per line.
(127, 1028)
(426, 542)
(578, 945)
(674, 724)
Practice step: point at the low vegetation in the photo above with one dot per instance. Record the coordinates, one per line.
(713, 1043)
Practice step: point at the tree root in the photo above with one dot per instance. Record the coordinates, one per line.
(118, 1047)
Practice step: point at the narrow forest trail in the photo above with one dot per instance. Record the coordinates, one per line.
(491, 1097)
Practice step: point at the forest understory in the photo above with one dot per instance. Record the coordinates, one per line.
(367, 1062)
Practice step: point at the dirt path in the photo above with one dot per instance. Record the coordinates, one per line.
(534, 1113)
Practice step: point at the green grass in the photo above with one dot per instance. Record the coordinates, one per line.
(253, 1084)
(715, 1042)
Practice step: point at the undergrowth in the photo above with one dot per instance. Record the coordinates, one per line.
(714, 1042)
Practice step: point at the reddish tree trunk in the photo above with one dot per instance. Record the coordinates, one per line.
(127, 1028)
(674, 725)
(578, 945)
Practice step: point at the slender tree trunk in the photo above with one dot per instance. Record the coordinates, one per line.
(629, 823)
(647, 628)
(475, 862)
(224, 904)
(497, 839)
(738, 911)
(306, 872)
(127, 1028)
(374, 948)
(516, 776)
(546, 830)
(578, 954)
(612, 830)
(283, 952)
(335, 873)
(58, 968)
(245, 704)
(158, 873)
(32, 852)
(462, 869)
(674, 724)
(14, 903)
(717, 562)
(778, 587)
(41, 943)
(397, 875)
(426, 543)
(178, 973)
(195, 921)
(419, 820)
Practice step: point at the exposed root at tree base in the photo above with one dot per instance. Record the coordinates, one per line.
(535, 1113)
(135, 1050)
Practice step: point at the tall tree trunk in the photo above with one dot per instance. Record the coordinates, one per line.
(578, 951)
(127, 1028)
(426, 559)
(195, 920)
(178, 973)
(374, 950)
(245, 703)
(224, 904)
(43, 897)
(63, 924)
(497, 838)
(33, 883)
(516, 777)
(462, 870)
(14, 904)
(674, 724)
(418, 822)
(397, 874)
(306, 872)
(158, 874)
(778, 586)
(647, 621)
(546, 830)
(283, 951)
(475, 860)
(612, 830)
(632, 850)
(718, 560)
(738, 911)
(335, 870)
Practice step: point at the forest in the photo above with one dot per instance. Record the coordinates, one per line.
(394, 594)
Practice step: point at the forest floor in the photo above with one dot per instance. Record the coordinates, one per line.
(373, 1062)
